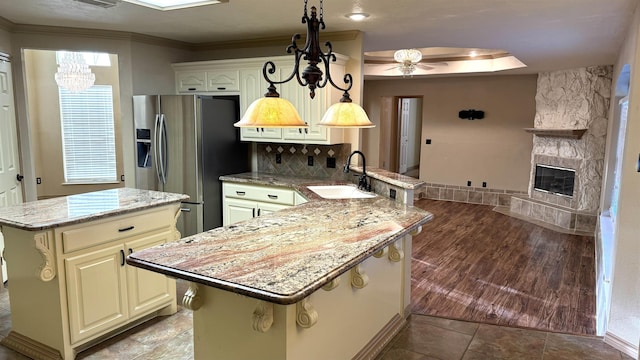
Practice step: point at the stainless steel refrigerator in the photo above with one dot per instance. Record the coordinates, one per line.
(184, 143)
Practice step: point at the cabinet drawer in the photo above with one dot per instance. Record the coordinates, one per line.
(259, 193)
(100, 232)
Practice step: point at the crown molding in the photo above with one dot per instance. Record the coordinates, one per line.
(6, 24)
(272, 41)
(154, 40)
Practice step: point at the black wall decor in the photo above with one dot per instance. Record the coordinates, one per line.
(471, 114)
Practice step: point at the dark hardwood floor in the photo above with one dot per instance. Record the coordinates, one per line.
(472, 263)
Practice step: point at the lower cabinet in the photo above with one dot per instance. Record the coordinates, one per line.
(103, 292)
(243, 202)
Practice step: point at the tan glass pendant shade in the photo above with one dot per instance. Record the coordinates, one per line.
(347, 115)
(271, 112)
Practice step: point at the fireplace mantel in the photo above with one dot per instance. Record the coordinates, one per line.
(565, 133)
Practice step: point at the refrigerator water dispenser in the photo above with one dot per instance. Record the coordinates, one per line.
(143, 147)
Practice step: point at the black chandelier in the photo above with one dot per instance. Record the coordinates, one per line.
(273, 111)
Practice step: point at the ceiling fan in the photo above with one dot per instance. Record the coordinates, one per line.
(406, 61)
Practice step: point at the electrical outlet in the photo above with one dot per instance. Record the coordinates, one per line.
(468, 182)
(38, 180)
(278, 158)
(428, 141)
(392, 193)
(310, 160)
(331, 162)
(484, 184)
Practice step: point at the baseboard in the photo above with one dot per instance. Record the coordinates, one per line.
(382, 338)
(621, 345)
(31, 348)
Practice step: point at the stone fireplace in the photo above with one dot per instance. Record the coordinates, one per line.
(570, 125)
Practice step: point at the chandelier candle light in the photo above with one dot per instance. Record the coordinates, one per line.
(273, 111)
(73, 73)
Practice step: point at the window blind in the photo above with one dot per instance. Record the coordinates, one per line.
(88, 135)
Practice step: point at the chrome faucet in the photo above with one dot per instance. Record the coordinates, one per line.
(363, 184)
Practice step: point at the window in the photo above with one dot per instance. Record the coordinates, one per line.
(90, 58)
(88, 135)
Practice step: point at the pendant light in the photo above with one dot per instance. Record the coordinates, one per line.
(273, 111)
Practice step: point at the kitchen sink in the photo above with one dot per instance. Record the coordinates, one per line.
(340, 192)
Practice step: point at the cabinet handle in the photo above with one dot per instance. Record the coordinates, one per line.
(127, 228)
(253, 213)
(240, 193)
(258, 212)
(272, 196)
(191, 89)
(306, 130)
(258, 129)
(121, 257)
(222, 88)
(185, 209)
(130, 251)
(300, 130)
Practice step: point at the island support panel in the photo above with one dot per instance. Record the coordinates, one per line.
(354, 319)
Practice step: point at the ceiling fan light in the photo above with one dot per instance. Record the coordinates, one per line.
(271, 112)
(412, 56)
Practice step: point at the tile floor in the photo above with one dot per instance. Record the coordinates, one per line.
(424, 338)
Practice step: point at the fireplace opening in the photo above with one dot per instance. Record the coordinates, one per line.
(554, 180)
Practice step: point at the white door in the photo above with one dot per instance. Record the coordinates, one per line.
(405, 109)
(10, 189)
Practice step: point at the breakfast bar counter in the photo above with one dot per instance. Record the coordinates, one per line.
(327, 279)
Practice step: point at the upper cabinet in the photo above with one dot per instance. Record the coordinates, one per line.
(244, 77)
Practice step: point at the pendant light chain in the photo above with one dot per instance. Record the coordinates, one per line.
(321, 12)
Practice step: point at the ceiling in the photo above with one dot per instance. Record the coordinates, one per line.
(543, 34)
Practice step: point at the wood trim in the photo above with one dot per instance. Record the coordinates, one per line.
(381, 339)
(29, 347)
(620, 344)
(565, 133)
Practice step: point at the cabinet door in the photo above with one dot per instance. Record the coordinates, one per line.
(236, 210)
(222, 80)
(267, 208)
(191, 81)
(96, 292)
(147, 290)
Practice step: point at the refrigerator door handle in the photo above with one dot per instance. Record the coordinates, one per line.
(156, 146)
(165, 157)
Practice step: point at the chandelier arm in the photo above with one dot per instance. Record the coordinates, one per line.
(293, 45)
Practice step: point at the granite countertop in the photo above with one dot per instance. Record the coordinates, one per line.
(285, 256)
(74, 209)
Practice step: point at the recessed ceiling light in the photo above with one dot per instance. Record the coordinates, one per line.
(357, 16)
(174, 4)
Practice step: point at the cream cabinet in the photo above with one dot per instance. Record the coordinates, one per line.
(251, 86)
(242, 201)
(71, 285)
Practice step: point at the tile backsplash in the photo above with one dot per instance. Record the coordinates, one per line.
(294, 159)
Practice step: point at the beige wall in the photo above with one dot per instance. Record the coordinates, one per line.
(45, 122)
(5, 41)
(148, 55)
(495, 149)
(624, 317)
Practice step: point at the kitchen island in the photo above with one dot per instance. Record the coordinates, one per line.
(69, 285)
(328, 279)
